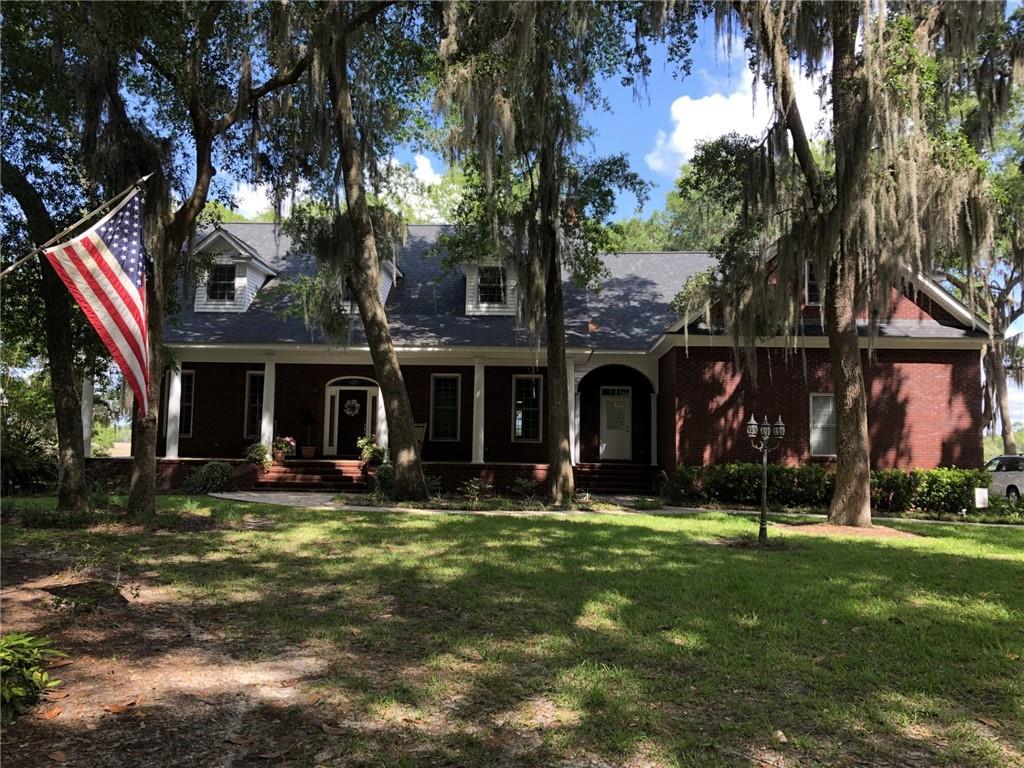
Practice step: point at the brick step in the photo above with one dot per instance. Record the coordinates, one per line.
(303, 478)
(325, 471)
(323, 487)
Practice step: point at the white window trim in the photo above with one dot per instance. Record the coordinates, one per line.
(246, 434)
(807, 287)
(540, 408)
(810, 422)
(191, 403)
(458, 407)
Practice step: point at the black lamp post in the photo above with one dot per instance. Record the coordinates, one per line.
(765, 437)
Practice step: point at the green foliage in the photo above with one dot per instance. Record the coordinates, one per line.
(28, 461)
(646, 502)
(523, 487)
(209, 478)
(23, 677)
(258, 454)
(44, 517)
(384, 480)
(945, 490)
(370, 452)
(475, 489)
(284, 444)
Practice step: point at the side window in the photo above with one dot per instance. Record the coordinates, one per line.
(220, 283)
(526, 408)
(253, 404)
(823, 425)
(444, 406)
(188, 388)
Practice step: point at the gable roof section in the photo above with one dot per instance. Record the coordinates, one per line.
(426, 307)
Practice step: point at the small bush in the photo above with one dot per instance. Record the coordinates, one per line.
(892, 490)
(384, 480)
(738, 483)
(684, 485)
(370, 452)
(1000, 508)
(948, 489)
(212, 476)
(23, 678)
(258, 454)
(645, 502)
(435, 484)
(475, 489)
(523, 487)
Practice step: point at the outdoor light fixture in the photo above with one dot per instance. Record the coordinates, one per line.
(765, 437)
(4, 402)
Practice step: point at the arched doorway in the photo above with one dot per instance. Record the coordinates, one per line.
(352, 409)
(616, 407)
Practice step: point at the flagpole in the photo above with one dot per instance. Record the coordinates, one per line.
(78, 223)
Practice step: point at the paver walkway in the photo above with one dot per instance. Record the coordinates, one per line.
(324, 500)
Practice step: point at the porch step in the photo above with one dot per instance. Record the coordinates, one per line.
(314, 475)
(616, 478)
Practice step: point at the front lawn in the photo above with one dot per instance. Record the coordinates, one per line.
(578, 641)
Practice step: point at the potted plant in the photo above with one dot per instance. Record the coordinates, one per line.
(258, 454)
(283, 446)
(308, 450)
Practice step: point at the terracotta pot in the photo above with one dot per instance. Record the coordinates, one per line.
(278, 455)
(308, 451)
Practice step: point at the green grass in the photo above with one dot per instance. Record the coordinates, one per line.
(994, 443)
(622, 639)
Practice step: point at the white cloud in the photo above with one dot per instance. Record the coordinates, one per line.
(424, 171)
(252, 199)
(709, 117)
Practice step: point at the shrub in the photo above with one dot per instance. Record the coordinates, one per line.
(948, 489)
(212, 476)
(523, 487)
(738, 483)
(23, 678)
(645, 502)
(258, 454)
(892, 490)
(384, 479)
(684, 484)
(370, 452)
(475, 489)
(435, 484)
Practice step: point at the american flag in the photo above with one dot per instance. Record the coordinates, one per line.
(104, 270)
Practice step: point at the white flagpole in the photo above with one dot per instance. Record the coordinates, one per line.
(78, 223)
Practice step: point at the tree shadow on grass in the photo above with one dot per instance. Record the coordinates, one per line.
(477, 641)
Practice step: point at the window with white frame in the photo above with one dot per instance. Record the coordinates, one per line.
(812, 289)
(188, 388)
(253, 404)
(220, 283)
(492, 286)
(444, 406)
(823, 425)
(526, 408)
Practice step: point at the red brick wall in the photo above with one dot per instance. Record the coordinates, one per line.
(498, 443)
(924, 406)
(218, 410)
(590, 411)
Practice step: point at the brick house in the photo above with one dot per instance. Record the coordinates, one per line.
(645, 392)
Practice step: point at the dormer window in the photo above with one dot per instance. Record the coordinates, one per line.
(220, 283)
(492, 287)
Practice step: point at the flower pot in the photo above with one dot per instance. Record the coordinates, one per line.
(308, 451)
(278, 455)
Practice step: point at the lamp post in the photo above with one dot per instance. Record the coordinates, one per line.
(765, 437)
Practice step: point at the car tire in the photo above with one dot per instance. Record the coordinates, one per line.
(1012, 494)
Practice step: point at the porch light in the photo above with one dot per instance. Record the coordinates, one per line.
(765, 437)
(766, 428)
(779, 429)
(752, 428)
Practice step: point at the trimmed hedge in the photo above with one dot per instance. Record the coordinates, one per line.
(893, 491)
(209, 478)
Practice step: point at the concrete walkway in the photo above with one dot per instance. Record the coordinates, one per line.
(321, 500)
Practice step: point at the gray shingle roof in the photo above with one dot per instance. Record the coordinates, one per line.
(427, 307)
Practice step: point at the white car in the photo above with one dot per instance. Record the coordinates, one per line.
(1007, 477)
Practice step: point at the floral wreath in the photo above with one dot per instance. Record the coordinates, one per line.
(352, 407)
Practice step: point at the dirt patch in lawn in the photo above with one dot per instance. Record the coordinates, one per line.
(866, 532)
(145, 682)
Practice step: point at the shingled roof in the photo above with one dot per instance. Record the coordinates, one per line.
(428, 305)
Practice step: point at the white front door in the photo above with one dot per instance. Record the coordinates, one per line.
(615, 414)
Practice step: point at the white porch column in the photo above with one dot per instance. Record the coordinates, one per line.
(478, 410)
(570, 375)
(87, 401)
(654, 428)
(382, 422)
(267, 423)
(173, 413)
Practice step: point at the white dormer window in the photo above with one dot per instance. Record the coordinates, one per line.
(220, 283)
(490, 289)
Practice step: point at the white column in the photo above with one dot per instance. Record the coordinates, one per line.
(267, 424)
(570, 376)
(478, 410)
(173, 413)
(382, 421)
(87, 401)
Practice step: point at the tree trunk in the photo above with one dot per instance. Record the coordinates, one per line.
(851, 502)
(145, 431)
(996, 369)
(60, 348)
(561, 481)
(365, 279)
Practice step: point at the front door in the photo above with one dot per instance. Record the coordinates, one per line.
(352, 420)
(615, 421)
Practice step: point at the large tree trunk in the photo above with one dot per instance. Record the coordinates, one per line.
(365, 279)
(60, 348)
(561, 481)
(996, 370)
(851, 502)
(146, 430)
